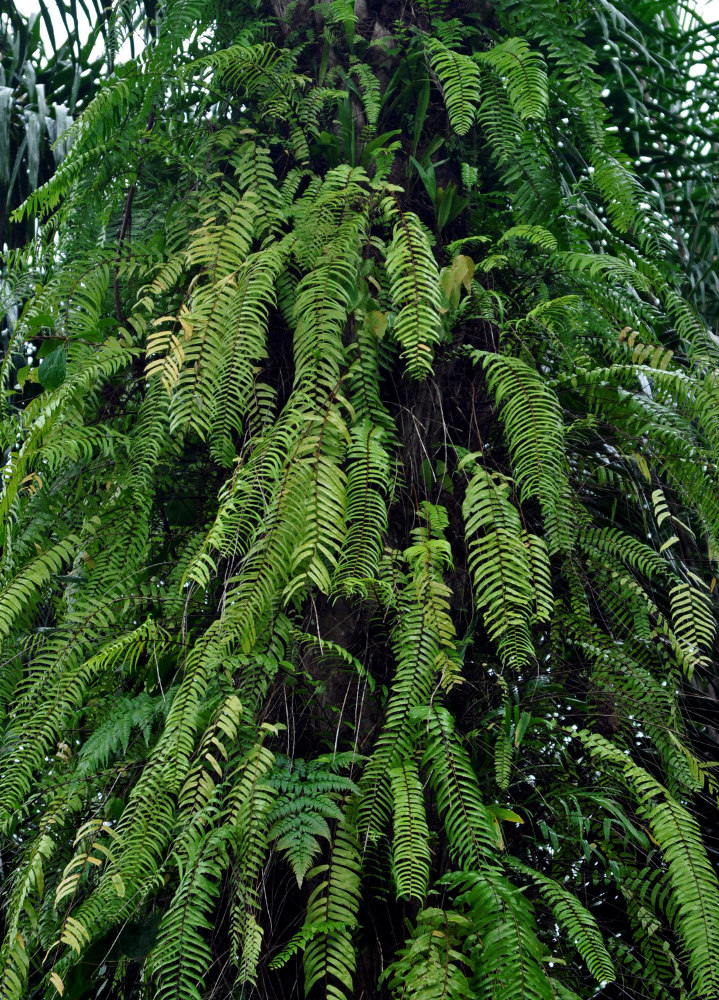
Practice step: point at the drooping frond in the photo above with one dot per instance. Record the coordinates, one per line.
(460, 81)
(501, 565)
(329, 956)
(359, 515)
(693, 879)
(410, 849)
(414, 290)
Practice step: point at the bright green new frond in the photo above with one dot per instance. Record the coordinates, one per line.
(256, 174)
(536, 236)
(316, 552)
(200, 788)
(370, 90)
(324, 295)
(693, 618)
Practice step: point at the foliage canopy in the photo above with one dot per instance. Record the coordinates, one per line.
(360, 409)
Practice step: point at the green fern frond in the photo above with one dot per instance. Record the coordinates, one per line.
(411, 857)
(308, 795)
(414, 290)
(534, 430)
(180, 958)
(423, 631)
(460, 82)
(524, 74)
(692, 878)
(432, 965)
(249, 807)
(330, 957)
(471, 835)
(499, 561)
(693, 620)
(508, 956)
(576, 921)
(37, 725)
(367, 474)
(113, 733)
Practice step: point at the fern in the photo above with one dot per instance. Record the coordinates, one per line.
(366, 505)
(691, 875)
(423, 629)
(414, 289)
(329, 957)
(510, 954)
(431, 964)
(182, 953)
(524, 74)
(471, 835)
(501, 566)
(411, 852)
(249, 810)
(359, 519)
(576, 921)
(308, 795)
(460, 81)
(533, 426)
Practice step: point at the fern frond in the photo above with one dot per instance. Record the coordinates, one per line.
(471, 835)
(180, 958)
(308, 798)
(460, 82)
(410, 855)
(330, 957)
(432, 965)
(524, 73)
(693, 880)
(367, 475)
(509, 956)
(534, 430)
(249, 806)
(499, 561)
(576, 921)
(423, 631)
(414, 289)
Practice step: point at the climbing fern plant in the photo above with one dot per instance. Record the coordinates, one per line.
(359, 517)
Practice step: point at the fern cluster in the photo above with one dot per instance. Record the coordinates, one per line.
(359, 523)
